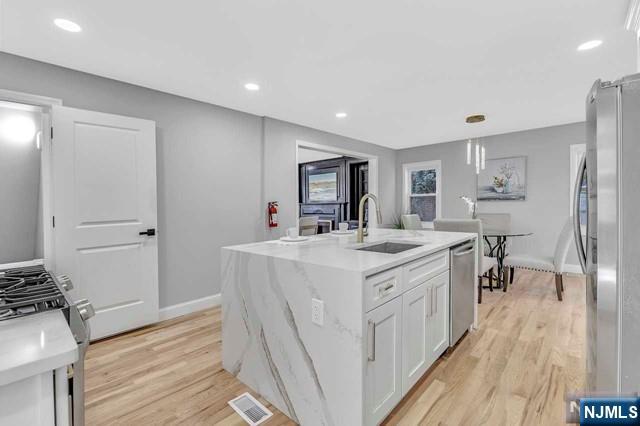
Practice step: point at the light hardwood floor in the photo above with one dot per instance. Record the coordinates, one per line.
(516, 369)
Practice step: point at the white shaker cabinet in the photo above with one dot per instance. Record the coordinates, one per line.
(439, 318)
(425, 327)
(384, 360)
(416, 351)
(405, 336)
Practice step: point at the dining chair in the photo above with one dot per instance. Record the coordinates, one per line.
(486, 264)
(496, 222)
(411, 222)
(555, 264)
(308, 225)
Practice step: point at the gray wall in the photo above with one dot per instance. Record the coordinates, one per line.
(213, 179)
(547, 204)
(281, 169)
(19, 193)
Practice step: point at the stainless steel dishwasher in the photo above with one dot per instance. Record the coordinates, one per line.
(463, 284)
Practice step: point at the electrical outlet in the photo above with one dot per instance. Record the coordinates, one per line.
(317, 311)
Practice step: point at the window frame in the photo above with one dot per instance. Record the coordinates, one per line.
(407, 168)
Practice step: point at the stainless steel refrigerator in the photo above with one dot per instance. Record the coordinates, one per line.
(609, 185)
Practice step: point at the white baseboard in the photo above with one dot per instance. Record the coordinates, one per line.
(185, 308)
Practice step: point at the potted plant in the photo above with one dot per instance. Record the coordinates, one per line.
(498, 184)
(507, 170)
(471, 205)
(396, 223)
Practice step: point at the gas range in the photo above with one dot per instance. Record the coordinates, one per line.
(29, 290)
(32, 290)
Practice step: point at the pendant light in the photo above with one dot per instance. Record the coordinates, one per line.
(479, 150)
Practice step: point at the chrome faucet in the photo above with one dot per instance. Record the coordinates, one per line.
(361, 232)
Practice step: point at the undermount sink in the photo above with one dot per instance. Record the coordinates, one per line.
(389, 247)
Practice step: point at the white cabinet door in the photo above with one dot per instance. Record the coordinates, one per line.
(439, 318)
(104, 185)
(383, 381)
(416, 356)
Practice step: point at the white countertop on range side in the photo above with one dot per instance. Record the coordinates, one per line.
(337, 251)
(33, 344)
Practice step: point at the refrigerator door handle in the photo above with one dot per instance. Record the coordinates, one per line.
(577, 232)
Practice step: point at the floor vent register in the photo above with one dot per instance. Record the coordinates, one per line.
(250, 409)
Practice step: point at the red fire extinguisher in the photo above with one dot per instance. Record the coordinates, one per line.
(273, 214)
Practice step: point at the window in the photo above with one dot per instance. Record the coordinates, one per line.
(422, 188)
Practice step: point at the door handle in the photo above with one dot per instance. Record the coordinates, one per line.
(429, 302)
(577, 232)
(149, 232)
(371, 350)
(434, 301)
(463, 253)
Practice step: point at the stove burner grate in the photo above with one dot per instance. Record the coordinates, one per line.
(26, 291)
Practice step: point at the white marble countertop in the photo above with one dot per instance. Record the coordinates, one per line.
(336, 251)
(34, 344)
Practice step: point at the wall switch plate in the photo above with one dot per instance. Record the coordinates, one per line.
(317, 311)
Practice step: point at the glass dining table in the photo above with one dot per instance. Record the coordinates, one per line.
(498, 248)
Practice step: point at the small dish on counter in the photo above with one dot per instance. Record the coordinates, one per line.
(339, 232)
(293, 239)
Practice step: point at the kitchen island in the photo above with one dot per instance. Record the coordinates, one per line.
(332, 334)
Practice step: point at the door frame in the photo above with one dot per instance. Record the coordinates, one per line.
(46, 172)
(373, 169)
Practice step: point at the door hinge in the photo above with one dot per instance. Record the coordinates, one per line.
(53, 221)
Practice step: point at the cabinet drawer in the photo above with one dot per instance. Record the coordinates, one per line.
(382, 287)
(425, 268)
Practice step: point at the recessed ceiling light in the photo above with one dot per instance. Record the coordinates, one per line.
(475, 118)
(252, 87)
(341, 114)
(67, 25)
(591, 44)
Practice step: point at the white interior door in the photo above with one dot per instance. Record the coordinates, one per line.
(104, 189)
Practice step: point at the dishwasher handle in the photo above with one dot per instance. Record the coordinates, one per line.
(463, 251)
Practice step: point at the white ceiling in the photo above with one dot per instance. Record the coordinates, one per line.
(406, 71)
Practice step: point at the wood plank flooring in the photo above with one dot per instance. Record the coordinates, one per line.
(516, 369)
